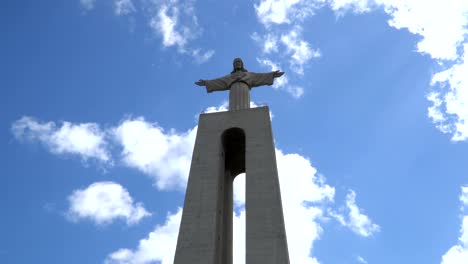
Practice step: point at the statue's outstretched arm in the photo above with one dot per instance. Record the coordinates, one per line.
(277, 74)
(219, 84)
(201, 82)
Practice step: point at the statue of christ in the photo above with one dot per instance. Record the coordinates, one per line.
(239, 83)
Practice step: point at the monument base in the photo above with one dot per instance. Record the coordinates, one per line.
(229, 143)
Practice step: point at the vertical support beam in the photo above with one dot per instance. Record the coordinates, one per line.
(201, 231)
(266, 234)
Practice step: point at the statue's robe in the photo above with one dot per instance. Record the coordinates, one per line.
(239, 85)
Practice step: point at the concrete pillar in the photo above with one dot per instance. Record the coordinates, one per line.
(229, 143)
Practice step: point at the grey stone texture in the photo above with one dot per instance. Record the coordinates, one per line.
(229, 143)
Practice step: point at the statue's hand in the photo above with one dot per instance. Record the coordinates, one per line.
(277, 74)
(201, 82)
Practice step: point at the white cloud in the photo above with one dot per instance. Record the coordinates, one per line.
(214, 109)
(458, 254)
(123, 7)
(442, 24)
(269, 42)
(274, 66)
(299, 50)
(464, 196)
(303, 195)
(165, 156)
(177, 24)
(282, 41)
(200, 56)
(160, 245)
(282, 83)
(166, 23)
(85, 139)
(293, 46)
(356, 221)
(174, 21)
(104, 202)
(361, 260)
(87, 4)
(357, 6)
(449, 110)
(309, 188)
(285, 11)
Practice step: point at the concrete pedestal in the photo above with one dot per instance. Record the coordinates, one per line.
(229, 143)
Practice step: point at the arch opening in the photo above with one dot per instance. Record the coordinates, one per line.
(234, 151)
(233, 143)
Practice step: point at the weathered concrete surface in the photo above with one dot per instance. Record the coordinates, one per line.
(205, 235)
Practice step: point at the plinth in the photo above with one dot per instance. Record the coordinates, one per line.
(227, 144)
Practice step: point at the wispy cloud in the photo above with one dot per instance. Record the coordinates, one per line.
(298, 49)
(449, 110)
(167, 25)
(282, 37)
(458, 253)
(354, 219)
(177, 24)
(282, 83)
(271, 12)
(86, 140)
(441, 26)
(87, 4)
(173, 21)
(124, 7)
(103, 203)
(361, 260)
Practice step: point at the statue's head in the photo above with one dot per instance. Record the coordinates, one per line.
(238, 65)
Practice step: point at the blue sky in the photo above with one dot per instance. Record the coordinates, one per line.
(99, 113)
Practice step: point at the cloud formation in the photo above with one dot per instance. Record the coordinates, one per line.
(165, 156)
(441, 26)
(458, 254)
(271, 12)
(449, 110)
(356, 221)
(282, 83)
(282, 38)
(177, 24)
(174, 21)
(303, 193)
(361, 260)
(86, 140)
(159, 245)
(87, 4)
(123, 7)
(103, 203)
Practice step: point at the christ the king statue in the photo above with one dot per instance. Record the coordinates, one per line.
(239, 83)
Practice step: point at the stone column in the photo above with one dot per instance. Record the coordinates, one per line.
(205, 235)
